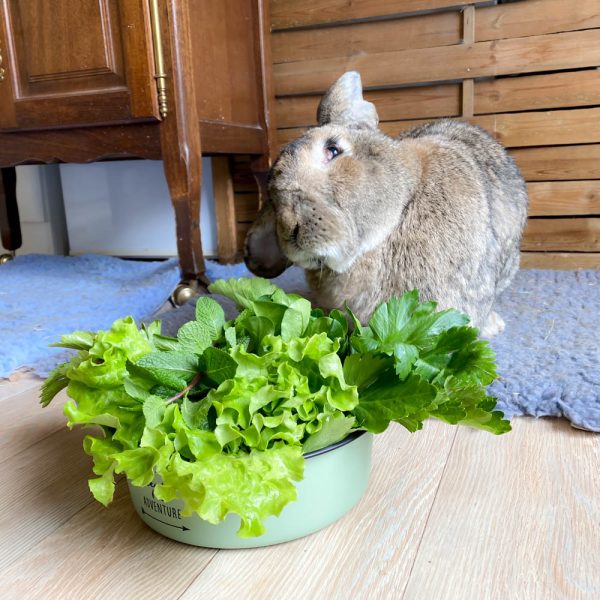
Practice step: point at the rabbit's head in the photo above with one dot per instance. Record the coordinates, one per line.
(330, 191)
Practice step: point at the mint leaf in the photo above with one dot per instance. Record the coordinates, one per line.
(219, 365)
(172, 369)
(194, 337)
(210, 315)
(231, 336)
(163, 342)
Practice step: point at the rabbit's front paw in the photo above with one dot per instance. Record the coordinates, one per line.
(494, 324)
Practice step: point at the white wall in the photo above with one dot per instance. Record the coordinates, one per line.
(41, 212)
(123, 208)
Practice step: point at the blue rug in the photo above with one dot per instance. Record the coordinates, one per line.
(42, 297)
(548, 356)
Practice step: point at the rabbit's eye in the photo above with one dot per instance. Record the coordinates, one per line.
(332, 151)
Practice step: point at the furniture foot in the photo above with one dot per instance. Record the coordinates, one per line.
(184, 292)
(10, 227)
(4, 258)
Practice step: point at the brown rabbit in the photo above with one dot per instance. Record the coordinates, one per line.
(441, 209)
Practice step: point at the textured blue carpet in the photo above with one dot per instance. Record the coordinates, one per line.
(42, 297)
(548, 356)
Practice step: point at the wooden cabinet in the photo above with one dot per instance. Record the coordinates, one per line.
(85, 80)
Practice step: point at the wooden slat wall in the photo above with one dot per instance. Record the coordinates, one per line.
(526, 71)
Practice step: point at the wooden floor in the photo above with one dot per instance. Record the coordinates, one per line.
(450, 513)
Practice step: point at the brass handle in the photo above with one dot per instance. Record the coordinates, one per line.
(2, 71)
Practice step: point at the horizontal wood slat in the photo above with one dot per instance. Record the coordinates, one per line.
(441, 29)
(533, 92)
(559, 162)
(552, 128)
(555, 198)
(560, 260)
(521, 19)
(535, 17)
(552, 90)
(300, 13)
(404, 103)
(580, 235)
(502, 57)
(514, 130)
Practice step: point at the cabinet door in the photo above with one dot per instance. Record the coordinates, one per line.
(75, 62)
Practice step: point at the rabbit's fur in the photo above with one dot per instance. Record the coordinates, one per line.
(441, 209)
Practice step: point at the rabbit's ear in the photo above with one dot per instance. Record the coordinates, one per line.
(262, 254)
(343, 104)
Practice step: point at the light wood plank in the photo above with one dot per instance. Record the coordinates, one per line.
(18, 382)
(552, 128)
(286, 14)
(528, 528)
(562, 235)
(534, 92)
(513, 130)
(535, 17)
(556, 198)
(404, 103)
(427, 31)
(108, 554)
(42, 487)
(24, 422)
(559, 163)
(500, 57)
(368, 553)
(224, 209)
(560, 260)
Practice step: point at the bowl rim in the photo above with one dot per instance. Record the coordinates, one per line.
(353, 435)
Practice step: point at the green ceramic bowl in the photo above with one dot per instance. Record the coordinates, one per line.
(335, 478)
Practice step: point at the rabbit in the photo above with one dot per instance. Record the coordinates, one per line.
(441, 208)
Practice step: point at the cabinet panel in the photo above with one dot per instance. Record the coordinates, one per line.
(67, 46)
(225, 60)
(77, 62)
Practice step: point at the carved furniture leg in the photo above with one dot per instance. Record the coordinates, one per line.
(10, 227)
(180, 145)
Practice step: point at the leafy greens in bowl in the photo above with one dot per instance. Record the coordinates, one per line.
(223, 413)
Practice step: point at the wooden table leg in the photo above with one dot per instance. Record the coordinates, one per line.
(180, 145)
(10, 227)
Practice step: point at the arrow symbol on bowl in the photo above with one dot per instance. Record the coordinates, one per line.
(182, 527)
